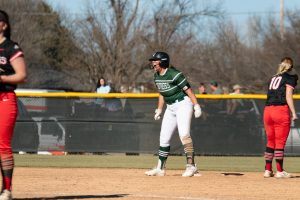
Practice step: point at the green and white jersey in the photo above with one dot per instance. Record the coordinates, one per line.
(171, 85)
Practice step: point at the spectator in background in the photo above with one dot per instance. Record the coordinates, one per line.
(142, 88)
(113, 104)
(237, 89)
(225, 90)
(216, 105)
(202, 89)
(102, 88)
(124, 88)
(215, 89)
(234, 104)
(135, 88)
(12, 72)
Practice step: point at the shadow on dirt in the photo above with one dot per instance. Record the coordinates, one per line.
(232, 174)
(76, 197)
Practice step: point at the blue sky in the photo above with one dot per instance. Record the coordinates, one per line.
(237, 6)
(238, 10)
(232, 6)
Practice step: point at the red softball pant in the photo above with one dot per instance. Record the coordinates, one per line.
(277, 125)
(8, 116)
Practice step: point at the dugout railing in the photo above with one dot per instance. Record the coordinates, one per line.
(123, 123)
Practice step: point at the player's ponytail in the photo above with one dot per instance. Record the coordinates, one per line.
(285, 65)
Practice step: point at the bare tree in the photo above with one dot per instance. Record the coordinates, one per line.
(111, 40)
(47, 44)
(116, 38)
(175, 25)
(119, 40)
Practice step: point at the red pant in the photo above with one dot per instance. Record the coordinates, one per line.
(8, 115)
(277, 125)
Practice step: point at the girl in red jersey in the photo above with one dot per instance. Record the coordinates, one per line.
(12, 72)
(278, 113)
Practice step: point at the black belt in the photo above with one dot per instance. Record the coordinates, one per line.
(7, 87)
(283, 104)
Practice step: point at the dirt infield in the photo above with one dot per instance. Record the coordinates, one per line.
(131, 184)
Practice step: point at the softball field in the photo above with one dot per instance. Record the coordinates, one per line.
(114, 177)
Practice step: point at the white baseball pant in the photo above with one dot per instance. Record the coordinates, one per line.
(178, 114)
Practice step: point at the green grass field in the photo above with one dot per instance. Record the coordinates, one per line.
(204, 163)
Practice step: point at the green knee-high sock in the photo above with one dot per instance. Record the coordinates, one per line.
(163, 154)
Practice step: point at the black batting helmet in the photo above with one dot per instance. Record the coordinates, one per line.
(163, 57)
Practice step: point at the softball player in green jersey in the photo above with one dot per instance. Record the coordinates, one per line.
(181, 102)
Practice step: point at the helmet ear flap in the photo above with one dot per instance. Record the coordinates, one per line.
(164, 65)
(164, 60)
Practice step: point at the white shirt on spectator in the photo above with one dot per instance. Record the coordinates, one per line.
(103, 89)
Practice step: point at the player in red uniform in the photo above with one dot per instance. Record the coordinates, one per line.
(12, 72)
(278, 113)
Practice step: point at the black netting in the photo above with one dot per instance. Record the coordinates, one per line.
(127, 125)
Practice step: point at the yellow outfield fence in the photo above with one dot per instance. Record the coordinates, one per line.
(87, 95)
(139, 95)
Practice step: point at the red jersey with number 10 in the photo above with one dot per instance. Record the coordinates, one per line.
(277, 88)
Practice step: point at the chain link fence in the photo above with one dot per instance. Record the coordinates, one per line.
(126, 125)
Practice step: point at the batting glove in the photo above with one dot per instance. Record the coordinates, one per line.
(197, 111)
(157, 114)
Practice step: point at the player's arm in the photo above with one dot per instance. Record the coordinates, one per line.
(290, 101)
(161, 102)
(182, 83)
(160, 106)
(193, 98)
(20, 72)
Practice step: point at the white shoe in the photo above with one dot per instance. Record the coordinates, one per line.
(6, 195)
(190, 170)
(155, 172)
(268, 174)
(283, 174)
